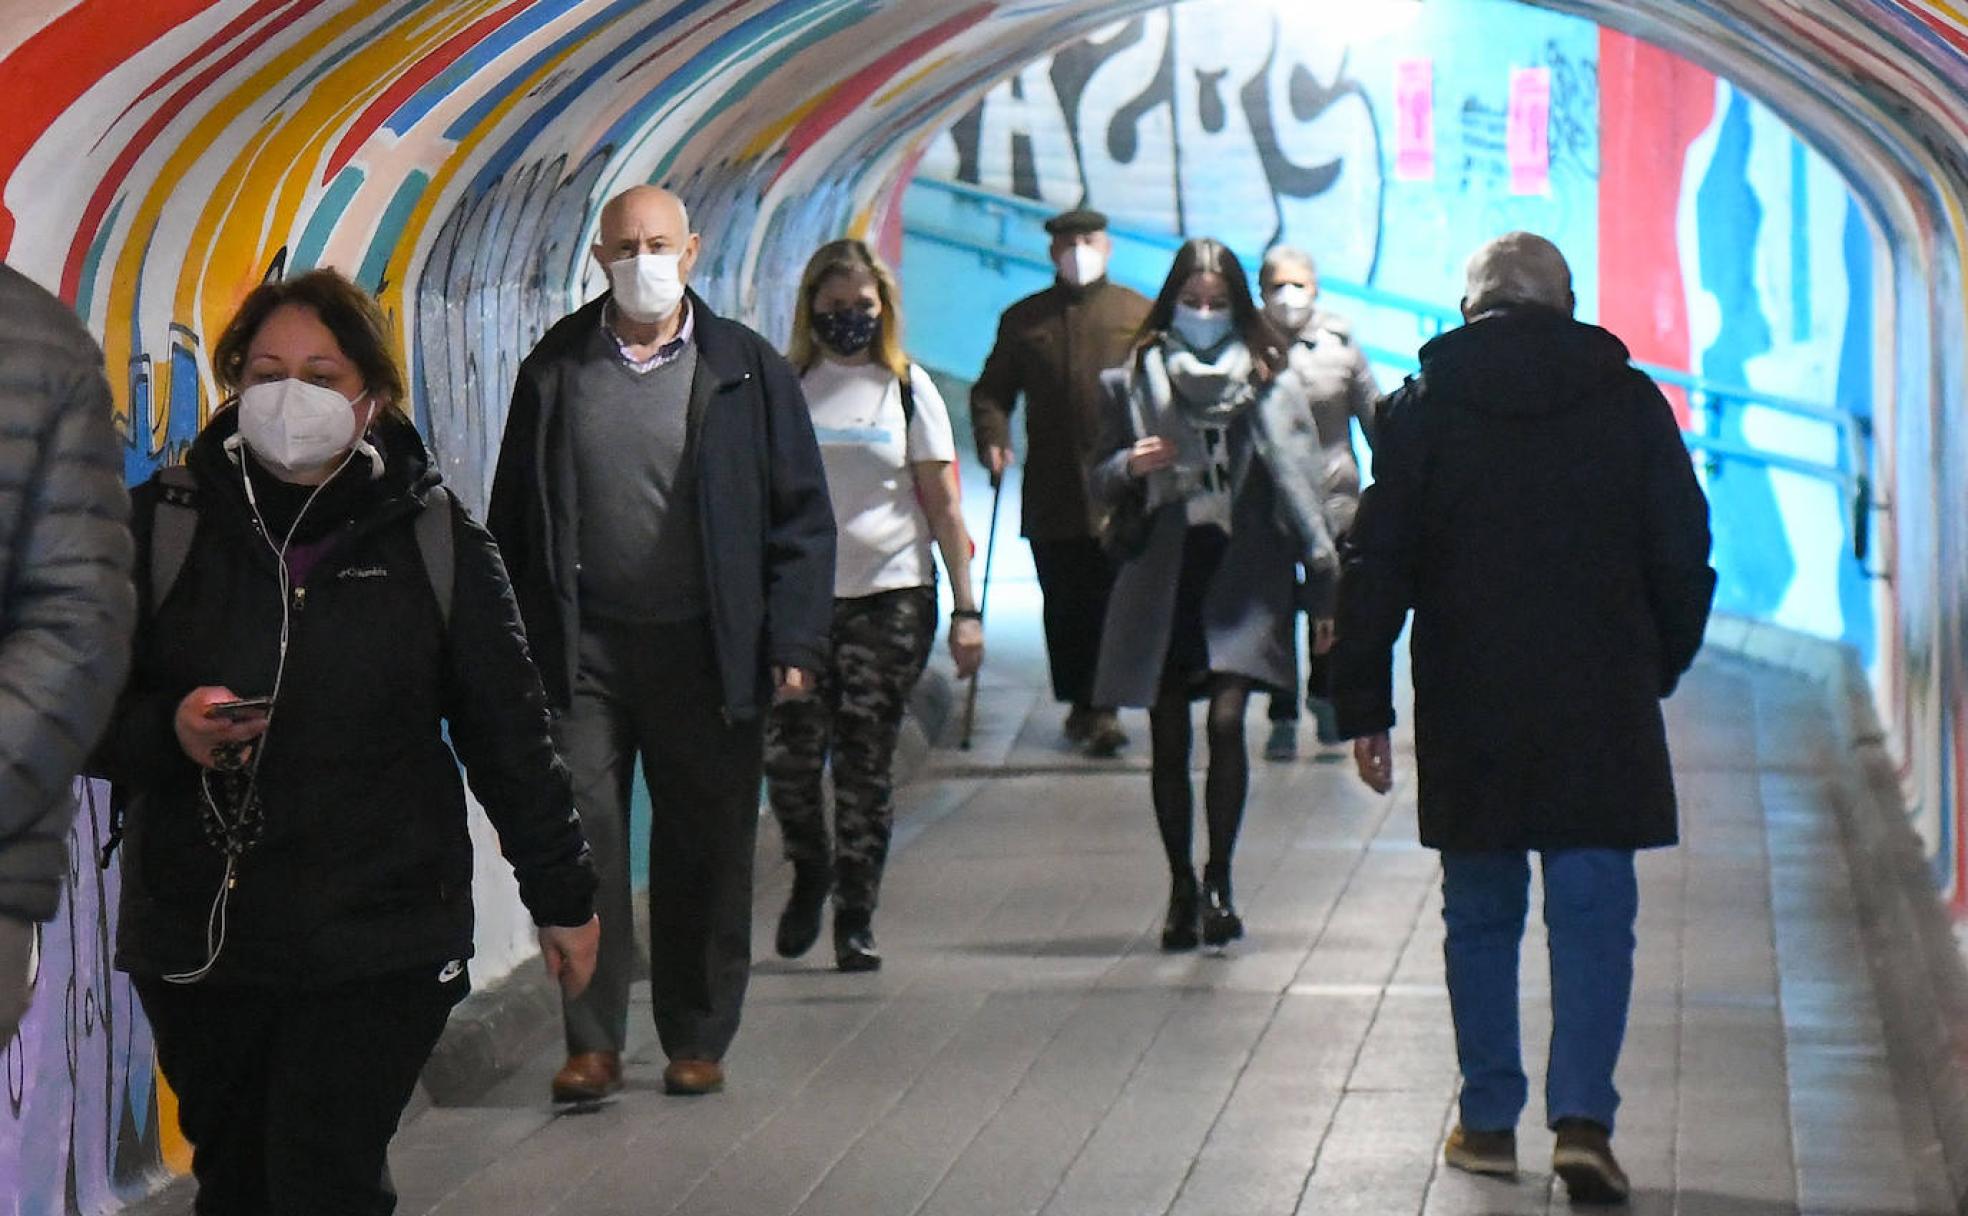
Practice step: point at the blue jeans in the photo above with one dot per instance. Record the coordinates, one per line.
(1590, 900)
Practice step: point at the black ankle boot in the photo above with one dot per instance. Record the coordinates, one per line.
(1179, 930)
(854, 940)
(1221, 924)
(799, 924)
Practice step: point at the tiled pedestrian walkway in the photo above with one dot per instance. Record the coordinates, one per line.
(1029, 1050)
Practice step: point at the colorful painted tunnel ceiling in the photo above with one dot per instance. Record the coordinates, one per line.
(160, 158)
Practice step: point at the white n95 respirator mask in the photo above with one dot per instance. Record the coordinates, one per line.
(648, 287)
(296, 427)
(1082, 264)
(1290, 306)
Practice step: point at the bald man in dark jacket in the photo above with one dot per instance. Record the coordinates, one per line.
(1535, 508)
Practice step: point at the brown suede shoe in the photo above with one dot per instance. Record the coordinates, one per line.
(588, 1076)
(1584, 1159)
(687, 1076)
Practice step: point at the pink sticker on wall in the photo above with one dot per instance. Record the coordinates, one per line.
(1528, 136)
(1414, 120)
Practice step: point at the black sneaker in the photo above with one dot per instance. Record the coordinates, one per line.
(1282, 745)
(1584, 1159)
(799, 924)
(854, 941)
(1325, 721)
(1078, 722)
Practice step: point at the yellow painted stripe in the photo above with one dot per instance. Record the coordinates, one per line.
(765, 139)
(912, 80)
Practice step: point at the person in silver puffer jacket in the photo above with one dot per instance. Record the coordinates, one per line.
(66, 603)
(1341, 389)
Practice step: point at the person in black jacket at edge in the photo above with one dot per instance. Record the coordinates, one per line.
(297, 905)
(1533, 504)
(662, 504)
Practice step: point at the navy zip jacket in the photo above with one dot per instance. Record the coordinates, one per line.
(768, 526)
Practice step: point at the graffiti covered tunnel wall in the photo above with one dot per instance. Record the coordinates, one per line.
(162, 158)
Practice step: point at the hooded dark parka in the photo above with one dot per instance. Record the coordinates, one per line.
(364, 866)
(1533, 504)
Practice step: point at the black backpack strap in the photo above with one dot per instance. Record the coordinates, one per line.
(908, 404)
(436, 544)
(172, 528)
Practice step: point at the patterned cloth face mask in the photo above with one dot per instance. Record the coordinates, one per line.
(846, 331)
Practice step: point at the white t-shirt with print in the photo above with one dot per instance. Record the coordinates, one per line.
(857, 417)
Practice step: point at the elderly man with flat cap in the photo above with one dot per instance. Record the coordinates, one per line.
(1051, 348)
(1534, 506)
(663, 510)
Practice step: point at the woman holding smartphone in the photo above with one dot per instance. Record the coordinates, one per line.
(315, 612)
(1211, 465)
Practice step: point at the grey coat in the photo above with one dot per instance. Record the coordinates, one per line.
(1341, 387)
(1277, 523)
(68, 605)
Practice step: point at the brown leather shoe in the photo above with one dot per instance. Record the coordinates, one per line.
(687, 1076)
(588, 1076)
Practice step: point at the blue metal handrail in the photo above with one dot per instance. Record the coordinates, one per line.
(1434, 318)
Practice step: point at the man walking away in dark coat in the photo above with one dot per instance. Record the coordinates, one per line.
(1534, 506)
(1051, 348)
(67, 606)
(663, 512)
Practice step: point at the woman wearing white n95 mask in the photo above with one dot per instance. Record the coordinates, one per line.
(1210, 464)
(297, 875)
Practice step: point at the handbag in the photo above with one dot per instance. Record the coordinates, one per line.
(1124, 533)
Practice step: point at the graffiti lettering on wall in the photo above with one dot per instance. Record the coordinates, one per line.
(1202, 118)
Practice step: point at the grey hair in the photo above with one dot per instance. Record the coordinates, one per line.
(1517, 268)
(1278, 257)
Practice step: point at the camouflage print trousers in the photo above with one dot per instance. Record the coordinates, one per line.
(880, 645)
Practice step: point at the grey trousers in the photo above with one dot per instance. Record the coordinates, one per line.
(654, 690)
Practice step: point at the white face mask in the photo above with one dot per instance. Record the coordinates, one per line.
(1082, 264)
(1201, 330)
(648, 287)
(1290, 305)
(296, 427)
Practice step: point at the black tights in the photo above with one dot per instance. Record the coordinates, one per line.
(1225, 788)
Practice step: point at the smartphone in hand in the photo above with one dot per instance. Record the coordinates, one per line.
(245, 709)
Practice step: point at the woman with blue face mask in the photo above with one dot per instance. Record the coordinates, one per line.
(323, 635)
(891, 474)
(1211, 470)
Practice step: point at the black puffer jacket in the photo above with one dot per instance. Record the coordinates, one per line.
(364, 866)
(65, 601)
(1534, 505)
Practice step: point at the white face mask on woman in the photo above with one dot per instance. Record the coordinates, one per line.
(1201, 330)
(295, 427)
(648, 287)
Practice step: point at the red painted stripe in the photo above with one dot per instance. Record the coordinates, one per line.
(1652, 106)
(702, 24)
(234, 28)
(119, 170)
(852, 94)
(50, 72)
(406, 86)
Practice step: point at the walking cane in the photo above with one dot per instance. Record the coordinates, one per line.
(983, 595)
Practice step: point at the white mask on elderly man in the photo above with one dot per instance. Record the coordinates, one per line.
(648, 287)
(1082, 264)
(296, 427)
(1289, 305)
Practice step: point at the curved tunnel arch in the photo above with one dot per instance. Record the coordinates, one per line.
(167, 156)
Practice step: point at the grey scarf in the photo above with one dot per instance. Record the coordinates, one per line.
(1179, 395)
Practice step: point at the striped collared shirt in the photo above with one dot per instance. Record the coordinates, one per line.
(667, 353)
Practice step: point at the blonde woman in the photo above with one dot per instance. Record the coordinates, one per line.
(891, 472)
